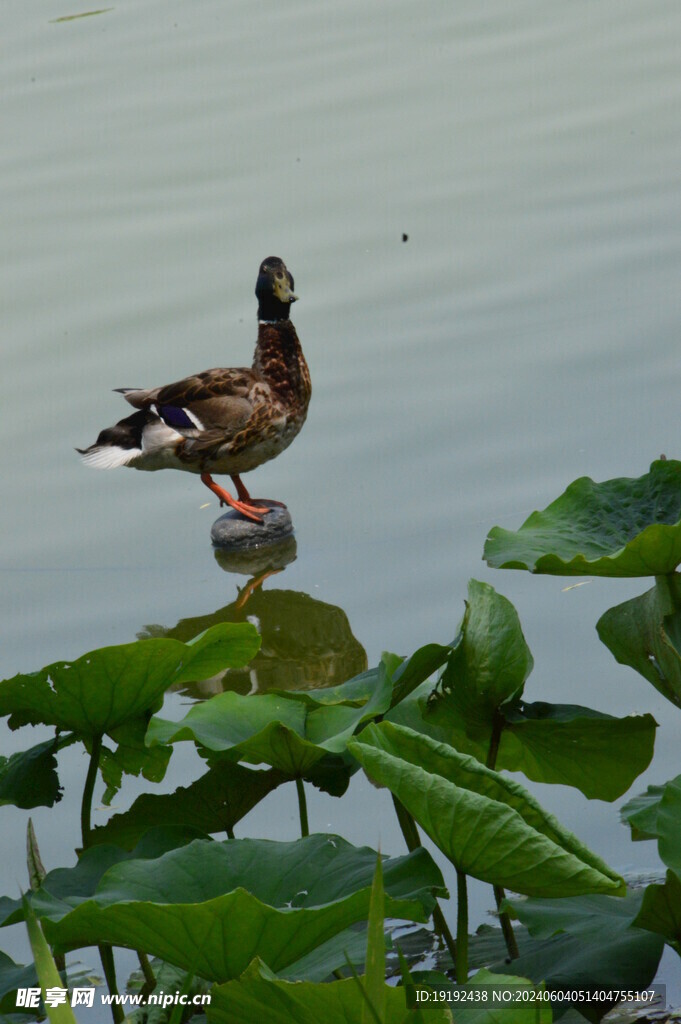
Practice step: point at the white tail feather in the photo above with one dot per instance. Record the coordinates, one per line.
(110, 457)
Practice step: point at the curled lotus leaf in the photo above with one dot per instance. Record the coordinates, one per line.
(621, 527)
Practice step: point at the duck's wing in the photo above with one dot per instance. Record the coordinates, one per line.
(214, 405)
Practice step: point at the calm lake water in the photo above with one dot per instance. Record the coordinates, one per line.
(525, 334)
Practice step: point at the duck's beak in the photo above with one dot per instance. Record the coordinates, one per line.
(283, 291)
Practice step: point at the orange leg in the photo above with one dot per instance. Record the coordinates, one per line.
(245, 497)
(248, 510)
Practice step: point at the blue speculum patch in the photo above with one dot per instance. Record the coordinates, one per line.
(174, 416)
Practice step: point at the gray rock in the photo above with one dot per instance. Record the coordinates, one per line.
(236, 533)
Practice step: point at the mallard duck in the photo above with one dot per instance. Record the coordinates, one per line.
(222, 420)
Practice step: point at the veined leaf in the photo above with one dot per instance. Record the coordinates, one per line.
(29, 778)
(289, 731)
(214, 803)
(657, 814)
(73, 885)
(640, 813)
(100, 691)
(491, 661)
(416, 669)
(668, 825)
(540, 740)
(323, 960)
(661, 910)
(501, 1013)
(258, 996)
(131, 757)
(622, 527)
(210, 907)
(645, 633)
(486, 824)
(12, 977)
(586, 943)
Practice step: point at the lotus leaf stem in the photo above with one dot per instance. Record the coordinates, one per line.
(461, 927)
(413, 841)
(499, 894)
(107, 958)
(149, 976)
(88, 789)
(302, 808)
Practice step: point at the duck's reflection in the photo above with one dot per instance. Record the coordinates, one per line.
(306, 643)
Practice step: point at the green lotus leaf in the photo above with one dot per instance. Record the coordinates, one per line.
(354, 692)
(213, 803)
(491, 661)
(332, 773)
(12, 977)
(80, 882)
(503, 1013)
(210, 907)
(486, 824)
(168, 979)
(668, 825)
(640, 813)
(657, 814)
(590, 917)
(485, 946)
(131, 757)
(622, 527)
(539, 739)
(260, 729)
(661, 910)
(258, 996)
(582, 943)
(422, 712)
(289, 731)
(413, 671)
(585, 943)
(645, 633)
(413, 946)
(358, 699)
(29, 778)
(100, 691)
(402, 675)
(323, 960)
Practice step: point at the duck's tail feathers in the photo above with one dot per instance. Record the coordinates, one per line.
(139, 397)
(117, 445)
(108, 456)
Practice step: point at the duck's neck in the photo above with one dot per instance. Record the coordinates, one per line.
(279, 358)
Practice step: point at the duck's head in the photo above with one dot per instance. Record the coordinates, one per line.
(274, 290)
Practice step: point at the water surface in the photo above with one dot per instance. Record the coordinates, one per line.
(525, 334)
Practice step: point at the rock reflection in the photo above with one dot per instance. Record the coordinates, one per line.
(306, 643)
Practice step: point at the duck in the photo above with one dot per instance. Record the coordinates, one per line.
(221, 421)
